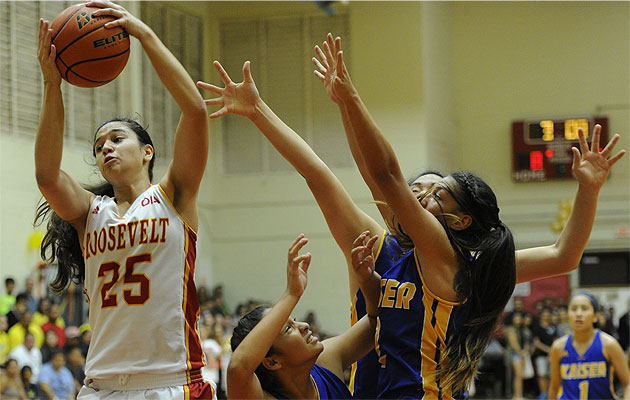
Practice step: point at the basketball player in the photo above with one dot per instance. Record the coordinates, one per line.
(342, 215)
(278, 357)
(132, 243)
(584, 361)
(591, 169)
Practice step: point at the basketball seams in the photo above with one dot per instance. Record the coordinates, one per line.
(69, 69)
(66, 22)
(88, 56)
(79, 38)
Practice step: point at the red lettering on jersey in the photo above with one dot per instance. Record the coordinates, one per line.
(164, 224)
(102, 239)
(149, 200)
(132, 228)
(86, 246)
(92, 241)
(111, 245)
(121, 236)
(144, 223)
(154, 236)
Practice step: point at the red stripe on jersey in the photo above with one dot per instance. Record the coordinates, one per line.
(194, 352)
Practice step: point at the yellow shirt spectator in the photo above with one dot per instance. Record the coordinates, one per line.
(17, 332)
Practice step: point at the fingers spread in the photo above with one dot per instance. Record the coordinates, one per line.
(247, 72)
(224, 76)
(596, 134)
(210, 87)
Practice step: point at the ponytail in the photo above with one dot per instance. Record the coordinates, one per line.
(485, 279)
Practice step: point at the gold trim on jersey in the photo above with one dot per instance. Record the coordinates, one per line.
(175, 209)
(426, 288)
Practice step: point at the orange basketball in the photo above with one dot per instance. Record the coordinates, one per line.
(88, 54)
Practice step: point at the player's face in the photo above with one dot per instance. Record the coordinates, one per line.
(118, 149)
(438, 201)
(581, 313)
(296, 343)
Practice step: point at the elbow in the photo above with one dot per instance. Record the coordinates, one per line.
(238, 370)
(197, 108)
(44, 179)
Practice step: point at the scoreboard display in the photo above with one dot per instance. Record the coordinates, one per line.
(541, 149)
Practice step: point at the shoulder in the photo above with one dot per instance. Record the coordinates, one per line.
(608, 341)
(560, 342)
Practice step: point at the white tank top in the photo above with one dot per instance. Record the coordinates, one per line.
(139, 270)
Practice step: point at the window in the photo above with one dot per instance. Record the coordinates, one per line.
(21, 81)
(280, 50)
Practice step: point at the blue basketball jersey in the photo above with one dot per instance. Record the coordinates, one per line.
(364, 373)
(413, 328)
(587, 376)
(328, 385)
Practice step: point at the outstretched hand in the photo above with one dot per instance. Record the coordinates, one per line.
(235, 98)
(297, 267)
(591, 166)
(331, 70)
(362, 259)
(47, 53)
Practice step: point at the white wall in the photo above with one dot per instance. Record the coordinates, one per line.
(522, 60)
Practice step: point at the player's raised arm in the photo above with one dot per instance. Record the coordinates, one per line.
(253, 351)
(343, 350)
(181, 183)
(64, 194)
(345, 219)
(591, 168)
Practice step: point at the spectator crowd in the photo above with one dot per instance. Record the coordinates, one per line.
(42, 356)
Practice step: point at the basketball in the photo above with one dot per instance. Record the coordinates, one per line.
(88, 54)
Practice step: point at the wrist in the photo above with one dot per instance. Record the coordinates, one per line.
(260, 109)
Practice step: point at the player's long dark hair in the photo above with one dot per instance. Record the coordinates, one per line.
(61, 242)
(245, 325)
(485, 279)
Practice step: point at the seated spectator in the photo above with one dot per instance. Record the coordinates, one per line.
(18, 309)
(30, 388)
(10, 383)
(27, 354)
(55, 380)
(17, 331)
(7, 301)
(4, 339)
(50, 346)
(40, 317)
(76, 365)
(31, 298)
(84, 341)
(73, 336)
(56, 323)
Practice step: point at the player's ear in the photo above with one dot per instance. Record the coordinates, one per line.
(461, 222)
(271, 363)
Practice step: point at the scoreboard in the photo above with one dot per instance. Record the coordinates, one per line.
(541, 149)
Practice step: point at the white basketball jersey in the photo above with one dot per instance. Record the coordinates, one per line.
(139, 270)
